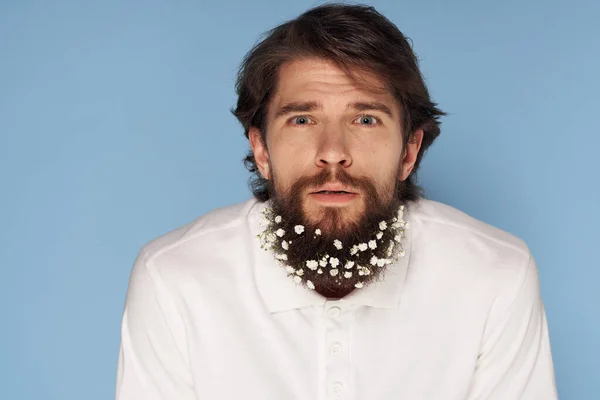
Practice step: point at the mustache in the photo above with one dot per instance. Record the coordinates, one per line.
(325, 176)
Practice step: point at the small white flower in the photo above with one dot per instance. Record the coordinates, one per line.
(319, 271)
(372, 244)
(398, 238)
(382, 225)
(390, 249)
(379, 235)
(278, 219)
(285, 245)
(400, 214)
(401, 254)
(271, 238)
(347, 274)
(402, 208)
(354, 250)
(280, 232)
(373, 260)
(381, 262)
(334, 262)
(299, 229)
(300, 272)
(264, 222)
(337, 244)
(366, 271)
(281, 256)
(310, 285)
(317, 232)
(297, 279)
(358, 285)
(361, 272)
(349, 264)
(333, 272)
(362, 246)
(323, 262)
(407, 225)
(312, 264)
(289, 269)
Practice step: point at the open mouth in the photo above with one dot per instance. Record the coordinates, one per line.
(333, 192)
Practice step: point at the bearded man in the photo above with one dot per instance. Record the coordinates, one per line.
(337, 279)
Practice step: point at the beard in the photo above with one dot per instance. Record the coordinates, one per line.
(350, 252)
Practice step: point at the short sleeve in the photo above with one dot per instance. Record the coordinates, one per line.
(153, 362)
(515, 360)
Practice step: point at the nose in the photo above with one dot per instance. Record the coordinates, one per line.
(333, 149)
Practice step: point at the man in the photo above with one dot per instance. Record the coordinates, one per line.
(337, 280)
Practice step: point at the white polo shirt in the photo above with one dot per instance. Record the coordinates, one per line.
(210, 315)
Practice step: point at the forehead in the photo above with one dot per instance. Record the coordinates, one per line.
(313, 79)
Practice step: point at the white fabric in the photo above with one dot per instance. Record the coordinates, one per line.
(210, 315)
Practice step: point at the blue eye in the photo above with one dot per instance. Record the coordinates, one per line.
(367, 120)
(301, 120)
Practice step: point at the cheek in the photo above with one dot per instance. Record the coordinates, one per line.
(288, 163)
(379, 159)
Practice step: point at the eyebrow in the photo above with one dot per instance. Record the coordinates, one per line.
(308, 106)
(371, 106)
(295, 107)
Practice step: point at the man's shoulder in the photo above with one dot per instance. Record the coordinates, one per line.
(452, 222)
(213, 227)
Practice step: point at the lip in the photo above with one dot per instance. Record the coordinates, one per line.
(333, 187)
(333, 199)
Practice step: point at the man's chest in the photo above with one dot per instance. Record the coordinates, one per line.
(425, 349)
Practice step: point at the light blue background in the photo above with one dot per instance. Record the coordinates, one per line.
(115, 128)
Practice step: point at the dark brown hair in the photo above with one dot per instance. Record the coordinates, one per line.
(356, 38)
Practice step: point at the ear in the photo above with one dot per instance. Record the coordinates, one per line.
(261, 155)
(410, 154)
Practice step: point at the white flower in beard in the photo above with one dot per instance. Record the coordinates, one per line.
(312, 264)
(334, 262)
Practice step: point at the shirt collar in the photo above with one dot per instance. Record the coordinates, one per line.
(280, 293)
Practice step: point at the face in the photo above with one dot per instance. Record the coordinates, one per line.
(331, 134)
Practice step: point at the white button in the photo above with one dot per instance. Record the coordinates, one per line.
(334, 312)
(337, 388)
(336, 349)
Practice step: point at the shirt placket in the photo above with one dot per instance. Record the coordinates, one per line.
(338, 368)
